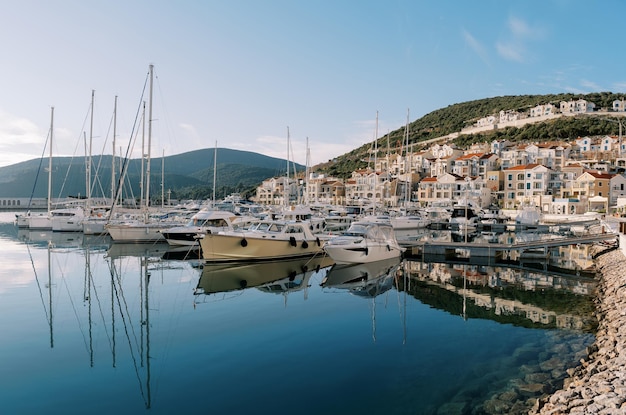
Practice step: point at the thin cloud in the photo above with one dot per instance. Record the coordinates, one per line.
(619, 86)
(16, 131)
(515, 46)
(476, 46)
(591, 86)
(511, 51)
(519, 28)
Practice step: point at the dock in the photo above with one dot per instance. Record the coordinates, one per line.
(499, 252)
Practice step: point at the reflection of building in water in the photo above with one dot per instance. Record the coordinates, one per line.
(576, 256)
(541, 298)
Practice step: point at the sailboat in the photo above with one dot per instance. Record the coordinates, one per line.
(149, 228)
(96, 219)
(42, 220)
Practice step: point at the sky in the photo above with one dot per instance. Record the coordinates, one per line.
(284, 78)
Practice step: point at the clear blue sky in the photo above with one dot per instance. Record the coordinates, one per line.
(240, 72)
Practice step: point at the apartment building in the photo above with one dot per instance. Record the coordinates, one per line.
(526, 183)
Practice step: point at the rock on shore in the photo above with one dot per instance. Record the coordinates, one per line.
(598, 384)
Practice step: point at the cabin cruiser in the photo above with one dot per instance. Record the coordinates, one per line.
(265, 240)
(409, 220)
(464, 218)
(364, 241)
(69, 219)
(201, 223)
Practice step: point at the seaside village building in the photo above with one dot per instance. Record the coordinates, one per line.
(586, 174)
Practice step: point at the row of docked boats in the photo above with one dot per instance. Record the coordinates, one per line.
(298, 231)
(223, 236)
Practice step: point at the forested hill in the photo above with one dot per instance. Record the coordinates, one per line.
(453, 118)
(187, 175)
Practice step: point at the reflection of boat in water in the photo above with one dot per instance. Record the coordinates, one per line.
(273, 276)
(367, 280)
(364, 280)
(155, 249)
(47, 236)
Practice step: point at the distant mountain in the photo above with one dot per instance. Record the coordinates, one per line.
(187, 175)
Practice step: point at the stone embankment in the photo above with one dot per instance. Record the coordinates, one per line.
(598, 384)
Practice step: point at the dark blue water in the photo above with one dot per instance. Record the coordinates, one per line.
(90, 328)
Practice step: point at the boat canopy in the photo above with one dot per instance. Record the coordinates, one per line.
(372, 231)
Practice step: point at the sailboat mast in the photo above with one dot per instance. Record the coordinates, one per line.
(307, 172)
(163, 179)
(149, 138)
(113, 153)
(88, 190)
(142, 188)
(214, 170)
(287, 190)
(376, 143)
(408, 161)
(50, 160)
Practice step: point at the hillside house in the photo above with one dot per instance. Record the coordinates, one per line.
(579, 106)
(543, 110)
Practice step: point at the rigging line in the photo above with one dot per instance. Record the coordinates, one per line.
(120, 181)
(30, 200)
(100, 159)
(78, 142)
(170, 131)
(124, 173)
(123, 297)
(125, 324)
(90, 276)
(43, 303)
(67, 289)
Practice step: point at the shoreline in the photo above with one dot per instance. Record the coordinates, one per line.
(598, 384)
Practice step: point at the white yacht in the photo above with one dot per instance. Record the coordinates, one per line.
(364, 242)
(201, 223)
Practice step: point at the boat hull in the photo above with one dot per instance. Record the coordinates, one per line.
(246, 247)
(94, 226)
(40, 222)
(136, 233)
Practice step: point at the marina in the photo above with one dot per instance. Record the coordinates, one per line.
(85, 314)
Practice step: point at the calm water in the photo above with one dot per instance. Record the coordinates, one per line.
(92, 328)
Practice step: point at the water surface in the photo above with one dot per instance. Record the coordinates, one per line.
(88, 327)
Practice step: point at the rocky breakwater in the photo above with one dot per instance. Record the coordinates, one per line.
(598, 384)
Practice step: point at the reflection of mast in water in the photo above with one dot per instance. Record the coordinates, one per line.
(405, 283)
(47, 311)
(366, 280)
(49, 298)
(464, 312)
(144, 320)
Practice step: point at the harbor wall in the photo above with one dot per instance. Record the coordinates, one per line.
(598, 384)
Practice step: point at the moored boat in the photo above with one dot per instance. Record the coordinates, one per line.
(364, 242)
(201, 223)
(267, 240)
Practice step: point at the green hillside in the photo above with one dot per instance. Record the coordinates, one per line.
(455, 117)
(187, 175)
